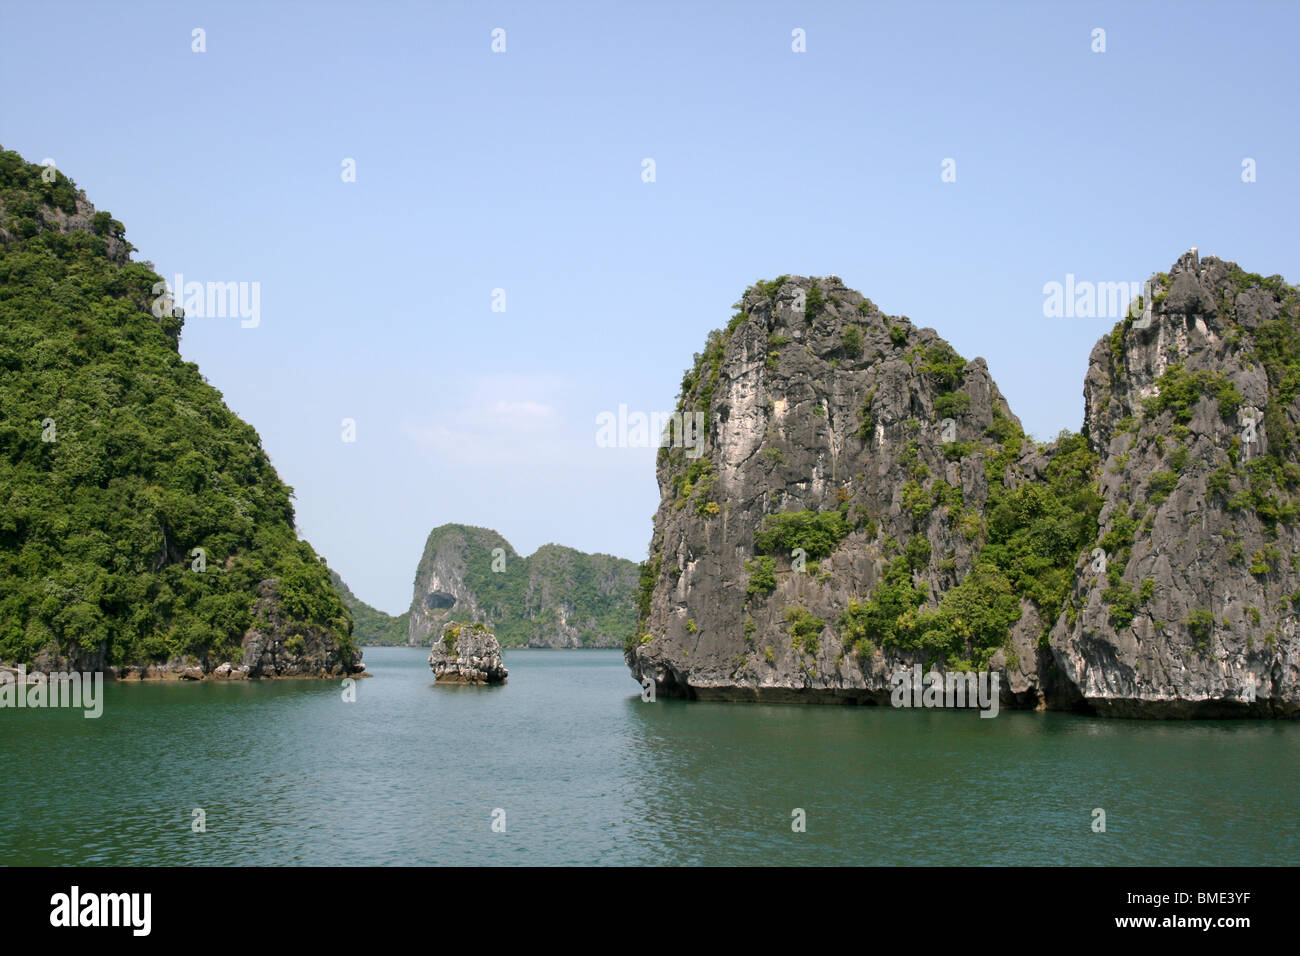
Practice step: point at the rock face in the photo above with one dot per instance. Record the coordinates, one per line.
(467, 654)
(1194, 418)
(279, 646)
(556, 597)
(867, 501)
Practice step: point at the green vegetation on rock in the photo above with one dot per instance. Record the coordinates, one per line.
(1034, 534)
(851, 342)
(530, 599)
(814, 302)
(805, 629)
(941, 363)
(1179, 390)
(118, 460)
(818, 532)
(762, 575)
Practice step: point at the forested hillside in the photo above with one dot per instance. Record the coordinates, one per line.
(140, 519)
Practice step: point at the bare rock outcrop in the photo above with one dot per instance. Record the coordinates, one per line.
(867, 501)
(1192, 409)
(467, 654)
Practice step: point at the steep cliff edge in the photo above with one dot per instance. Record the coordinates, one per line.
(555, 597)
(143, 530)
(1193, 411)
(868, 501)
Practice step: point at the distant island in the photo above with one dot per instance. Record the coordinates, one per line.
(557, 597)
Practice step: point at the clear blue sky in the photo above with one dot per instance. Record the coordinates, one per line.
(522, 171)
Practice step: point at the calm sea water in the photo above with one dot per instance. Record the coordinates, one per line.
(585, 772)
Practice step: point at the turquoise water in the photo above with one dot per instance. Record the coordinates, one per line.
(286, 772)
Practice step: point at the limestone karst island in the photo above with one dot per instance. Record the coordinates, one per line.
(731, 434)
(869, 500)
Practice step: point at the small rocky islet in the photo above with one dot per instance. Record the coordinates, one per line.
(467, 653)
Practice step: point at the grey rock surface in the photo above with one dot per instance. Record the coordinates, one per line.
(804, 414)
(275, 646)
(467, 654)
(1212, 549)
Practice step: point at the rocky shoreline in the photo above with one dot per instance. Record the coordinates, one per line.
(183, 671)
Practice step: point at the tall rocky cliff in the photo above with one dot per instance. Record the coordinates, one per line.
(556, 597)
(867, 501)
(143, 530)
(1194, 417)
